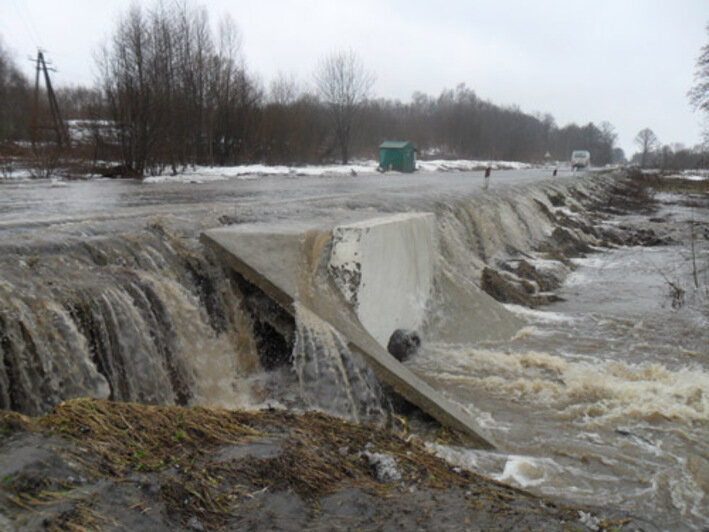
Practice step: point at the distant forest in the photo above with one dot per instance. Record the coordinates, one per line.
(173, 93)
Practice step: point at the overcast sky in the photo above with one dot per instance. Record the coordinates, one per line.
(629, 62)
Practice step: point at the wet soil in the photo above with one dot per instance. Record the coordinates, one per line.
(100, 465)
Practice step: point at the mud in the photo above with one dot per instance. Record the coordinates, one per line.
(99, 465)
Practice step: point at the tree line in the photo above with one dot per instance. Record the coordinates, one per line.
(174, 93)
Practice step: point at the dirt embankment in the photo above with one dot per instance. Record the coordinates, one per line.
(578, 232)
(99, 465)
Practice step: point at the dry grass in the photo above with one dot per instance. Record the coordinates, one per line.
(189, 453)
(144, 437)
(317, 454)
(11, 422)
(318, 450)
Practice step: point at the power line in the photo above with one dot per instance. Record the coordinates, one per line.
(28, 22)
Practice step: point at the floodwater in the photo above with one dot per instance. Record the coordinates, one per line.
(29, 203)
(602, 398)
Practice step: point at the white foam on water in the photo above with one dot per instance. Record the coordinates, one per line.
(538, 315)
(526, 332)
(579, 390)
(568, 212)
(578, 278)
(686, 494)
(525, 471)
(460, 456)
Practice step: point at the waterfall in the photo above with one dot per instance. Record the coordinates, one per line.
(331, 377)
(132, 319)
(150, 316)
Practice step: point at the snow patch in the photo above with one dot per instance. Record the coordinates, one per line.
(203, 174)
(462, 165)
(691, 175)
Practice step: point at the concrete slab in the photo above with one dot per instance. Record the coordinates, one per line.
(384, 268)
(289, 264)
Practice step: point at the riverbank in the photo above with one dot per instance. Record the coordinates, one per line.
(95, 465)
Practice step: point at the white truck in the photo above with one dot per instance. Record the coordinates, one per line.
(580, 159)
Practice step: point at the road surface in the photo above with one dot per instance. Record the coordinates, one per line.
(106, 205)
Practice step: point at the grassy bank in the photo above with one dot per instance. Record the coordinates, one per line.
(94, 465)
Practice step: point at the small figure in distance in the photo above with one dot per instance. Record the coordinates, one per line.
(487, 177)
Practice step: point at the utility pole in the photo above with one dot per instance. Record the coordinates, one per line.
(63, 139)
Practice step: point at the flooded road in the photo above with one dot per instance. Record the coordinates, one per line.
(26, 203)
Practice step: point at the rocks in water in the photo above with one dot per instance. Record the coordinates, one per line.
(545, 280)
(570, 244)
(403, 344)
(556, 199)
(505, 289)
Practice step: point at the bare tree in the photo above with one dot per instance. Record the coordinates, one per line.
(124, 67)
(14, 99)
(236, 99)
(175, 96)
(699, 93)
(283, 90)
(344, 84)
(647, 141)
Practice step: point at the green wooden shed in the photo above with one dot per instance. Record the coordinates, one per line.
(395, 155)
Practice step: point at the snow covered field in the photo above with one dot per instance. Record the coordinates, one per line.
(202, 174)
(691, 175)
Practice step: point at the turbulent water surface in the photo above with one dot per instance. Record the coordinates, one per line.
(602, 398)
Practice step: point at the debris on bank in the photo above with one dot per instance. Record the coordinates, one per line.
(92, 465)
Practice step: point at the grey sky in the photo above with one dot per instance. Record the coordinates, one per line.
(629, 62)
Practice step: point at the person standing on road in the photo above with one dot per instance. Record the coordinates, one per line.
(487, 177)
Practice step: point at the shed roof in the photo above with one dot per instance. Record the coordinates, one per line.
(395, 144)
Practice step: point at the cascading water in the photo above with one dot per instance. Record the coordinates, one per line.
(123, 318)
(331, 377)
(604, 396)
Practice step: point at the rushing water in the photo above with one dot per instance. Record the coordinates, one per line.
(332, 378)
(602, 398)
